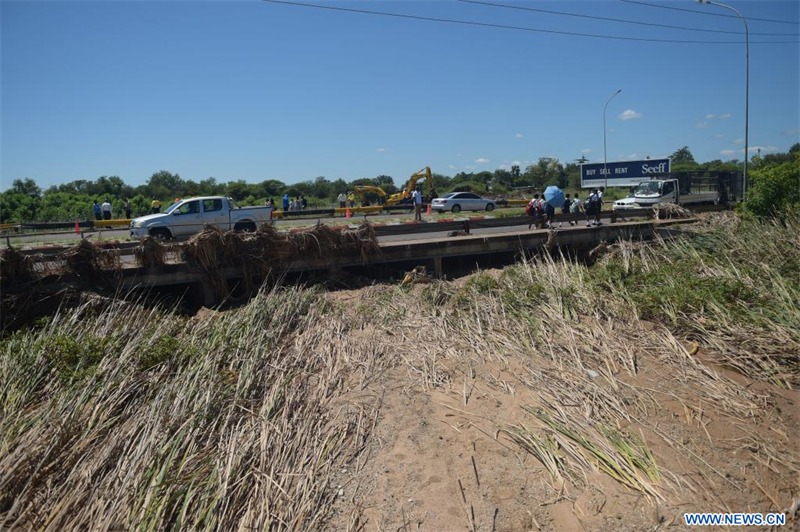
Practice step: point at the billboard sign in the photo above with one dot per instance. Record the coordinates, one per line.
(622, 174)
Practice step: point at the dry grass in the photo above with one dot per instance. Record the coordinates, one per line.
(136, 419)
(584, 339)
(150, 253)
(130, 417)
(88, 260)
(257, 255)
(664, 211)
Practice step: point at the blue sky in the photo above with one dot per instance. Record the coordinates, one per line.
(258, 90)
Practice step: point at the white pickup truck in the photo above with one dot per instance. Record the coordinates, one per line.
(188, 216)
(649, 193)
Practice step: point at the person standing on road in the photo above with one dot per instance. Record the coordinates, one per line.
(342, 199)
(285, 201)
(594, 204)
(127, 207)
(550, 214)
(565, 208)
(106, 208)
(567, 203)
(155, 206)
(577, 204)
(417, 199)
(98, 214)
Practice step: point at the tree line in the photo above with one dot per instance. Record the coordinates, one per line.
(25, 201)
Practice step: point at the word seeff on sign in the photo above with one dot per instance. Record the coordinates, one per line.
(622, 173)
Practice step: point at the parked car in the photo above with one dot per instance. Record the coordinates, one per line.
(462, 201)
(188, 216)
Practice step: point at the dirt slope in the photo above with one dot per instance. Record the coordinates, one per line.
(454, 401)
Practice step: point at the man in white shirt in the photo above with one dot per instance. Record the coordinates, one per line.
(417, 197)
(106, 208)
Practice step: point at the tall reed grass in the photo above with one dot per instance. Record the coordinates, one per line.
(117, 415)
(135, 418)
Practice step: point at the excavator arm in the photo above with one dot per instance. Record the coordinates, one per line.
(425, 173)
(362, 191)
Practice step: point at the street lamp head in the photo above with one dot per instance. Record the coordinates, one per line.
(703, 1)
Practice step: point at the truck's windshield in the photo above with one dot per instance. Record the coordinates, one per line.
(647, 188)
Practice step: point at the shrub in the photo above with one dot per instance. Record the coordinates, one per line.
(75, 359)
(774, 189)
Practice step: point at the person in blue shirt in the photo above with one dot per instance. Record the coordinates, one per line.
(97, 212)
(286, 202)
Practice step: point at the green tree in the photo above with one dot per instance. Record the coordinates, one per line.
(26, 186)
(320, 188)
(718, 165)
(683, 155)
(572, 172)
(441, 183)
(774, 189)
(546, 171)
(339, 185)
(683, 161)
(387, 183)
(484, 177)
(164, 184)
(502, 181)
(238, 189)
(210, 187)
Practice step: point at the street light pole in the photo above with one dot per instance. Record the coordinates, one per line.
(605, 159)
(746, 86)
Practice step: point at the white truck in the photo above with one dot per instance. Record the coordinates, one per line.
(189, 216)
(649, 193)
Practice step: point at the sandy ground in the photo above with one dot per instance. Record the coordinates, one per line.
(440, 456)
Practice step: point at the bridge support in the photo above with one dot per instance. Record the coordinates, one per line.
(436, 267)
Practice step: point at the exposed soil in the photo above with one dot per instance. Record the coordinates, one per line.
(441, 457)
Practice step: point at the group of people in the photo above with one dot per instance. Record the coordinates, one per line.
(297, 204)
(346, 200)
(543, 213)
(103, 211)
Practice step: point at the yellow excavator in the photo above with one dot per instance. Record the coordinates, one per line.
(365, 191)
(399, 197)
(405, 194)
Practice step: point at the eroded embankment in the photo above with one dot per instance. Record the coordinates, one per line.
(544, 395)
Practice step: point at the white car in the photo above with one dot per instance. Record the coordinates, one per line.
(625, 204)
(462, 201)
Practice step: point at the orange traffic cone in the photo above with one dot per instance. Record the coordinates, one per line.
(429, 208)
(347, 213)
(77, 228)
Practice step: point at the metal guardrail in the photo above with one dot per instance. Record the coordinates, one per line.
(82, 224)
